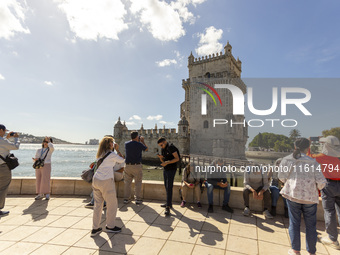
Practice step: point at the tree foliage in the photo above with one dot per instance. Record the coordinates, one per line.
(273, 141)
(333, 131)
(294, 134)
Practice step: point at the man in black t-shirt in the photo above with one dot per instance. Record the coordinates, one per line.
(169, 159)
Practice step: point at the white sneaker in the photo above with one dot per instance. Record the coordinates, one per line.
(292, 252)
(267, 214)
(39, 197)
(246, 211)
(47, 197)
(326, 241)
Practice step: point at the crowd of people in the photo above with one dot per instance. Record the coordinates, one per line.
(308, 174)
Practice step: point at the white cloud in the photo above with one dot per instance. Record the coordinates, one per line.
(166, 62)
(164, 20)
(135, 117)
(12, 16)
(156, 117)
(90, 20)
(209, 41)
(1, 77)
(169, 123)
(49, 83)
(130, 123)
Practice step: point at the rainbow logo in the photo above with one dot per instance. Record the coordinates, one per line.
(209, 93)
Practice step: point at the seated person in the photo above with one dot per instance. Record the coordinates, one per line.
(256, 182)
(191, 181)
(275, 187)
(217, 180)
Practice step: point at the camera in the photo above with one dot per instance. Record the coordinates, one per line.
(12, 134)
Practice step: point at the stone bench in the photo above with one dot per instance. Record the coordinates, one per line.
(151, 190)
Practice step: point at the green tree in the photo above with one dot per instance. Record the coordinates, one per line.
(333, 131)
(294, 134)
(271, 140)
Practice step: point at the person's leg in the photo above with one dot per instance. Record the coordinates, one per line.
(37, 180)
(197, 191)
(165, 177)
(98, 203)
(275, 194)
(210, 193)
(171, 178)
(109, 195)
(184, 191)
(45, 187)
(294, 210)
(127, 182)
(226, 196)
(266, 200)
(309, 216)
(5, 181)
(246, 193)
(328, 204)
(138, 170)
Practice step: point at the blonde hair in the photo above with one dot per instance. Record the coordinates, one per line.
(104, 146)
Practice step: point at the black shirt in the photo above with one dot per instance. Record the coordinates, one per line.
(167, 154)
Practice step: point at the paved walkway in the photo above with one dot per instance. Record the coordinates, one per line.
(62, 226)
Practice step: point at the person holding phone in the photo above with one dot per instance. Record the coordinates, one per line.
(43, 174)
(5, 173)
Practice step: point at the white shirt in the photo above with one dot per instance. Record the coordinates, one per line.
(6, 146)
(49, 155)
(105, 170)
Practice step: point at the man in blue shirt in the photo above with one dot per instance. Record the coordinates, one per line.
(134, 168)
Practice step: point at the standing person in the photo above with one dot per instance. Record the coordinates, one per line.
(5, 173)
(103, 185)
(302, 179)
(43, 174)
(191, 181)
(218, 181)
(134, 167)
(169, 158)
(256, 183)
(275, 187)
(329, 159)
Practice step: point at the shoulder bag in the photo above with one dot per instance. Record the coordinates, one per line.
(39, 163)
(11, 161)
(87, 175)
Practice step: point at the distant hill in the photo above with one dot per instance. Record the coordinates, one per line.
(27, 138)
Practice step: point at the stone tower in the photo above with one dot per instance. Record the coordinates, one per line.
(222, 140)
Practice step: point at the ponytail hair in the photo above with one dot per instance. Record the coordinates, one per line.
(300, 145)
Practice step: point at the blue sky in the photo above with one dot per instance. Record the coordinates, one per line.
(69, 68)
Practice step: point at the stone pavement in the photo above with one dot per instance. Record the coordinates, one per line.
(62, 226)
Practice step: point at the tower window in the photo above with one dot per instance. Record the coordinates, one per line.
(207, 75)
(205, 124)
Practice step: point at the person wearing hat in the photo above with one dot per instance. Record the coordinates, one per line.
(5, 173)
(329, 159)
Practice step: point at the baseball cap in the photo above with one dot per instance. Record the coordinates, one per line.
(331, 139)
(3, 127)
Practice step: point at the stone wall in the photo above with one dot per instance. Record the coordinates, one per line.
(151, 190)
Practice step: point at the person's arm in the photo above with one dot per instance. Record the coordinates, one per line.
(12, 145)
(143, 142)
(319, 177)
(116, 158)
(176, 159)
(116, 148)
(265, 182)
(246, 181)
(51, 146)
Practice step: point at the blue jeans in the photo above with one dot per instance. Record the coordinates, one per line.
(309, 215)
(275, 193)
(330, 198)
(169, 176)
(210, 193)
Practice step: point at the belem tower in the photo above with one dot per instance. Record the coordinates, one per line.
(196, 134)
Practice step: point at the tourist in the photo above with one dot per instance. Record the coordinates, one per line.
(302, 179)
(256, 183)
(118, 170)
(134, 168)
(275, 187)
(169, 158)
(329, 159)
(218, 181)
(43, 174)
(103, 185)
(191, 181)
(5, 173)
